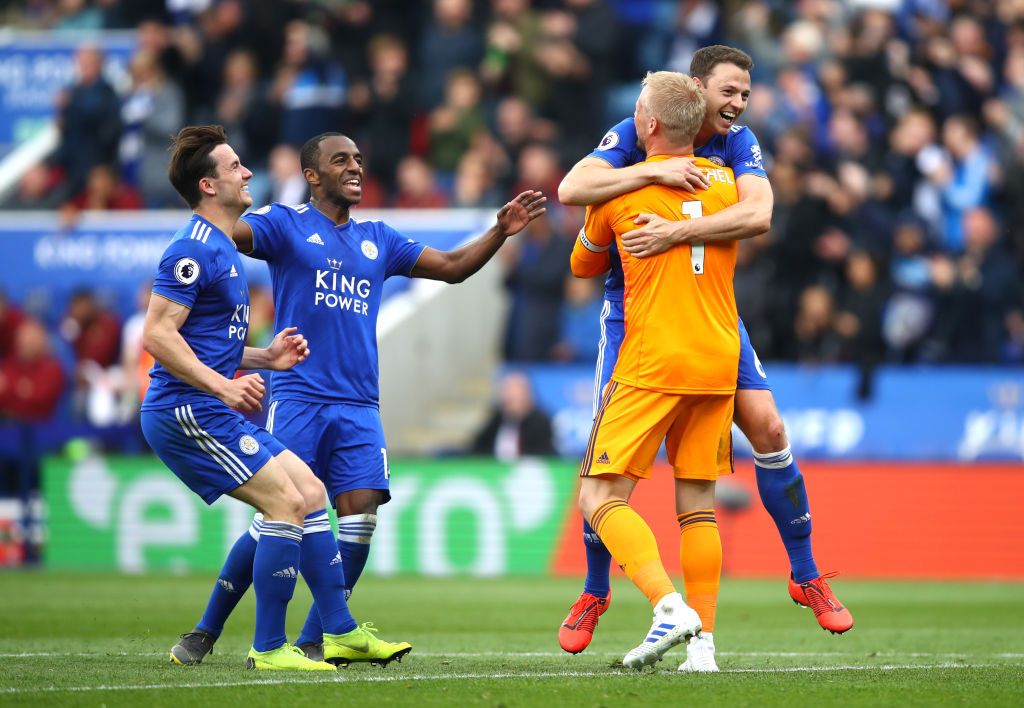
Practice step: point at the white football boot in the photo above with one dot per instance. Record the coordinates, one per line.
(674, 623)
(700, 655)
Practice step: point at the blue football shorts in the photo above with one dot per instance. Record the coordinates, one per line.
(342, 443)
(210, 447)
(751, 374)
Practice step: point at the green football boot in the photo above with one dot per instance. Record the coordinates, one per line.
(286, 657)
(360, 645)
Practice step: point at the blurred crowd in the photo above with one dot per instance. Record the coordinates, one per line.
(892, 130)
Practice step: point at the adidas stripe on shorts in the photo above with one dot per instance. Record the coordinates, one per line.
(210, 447)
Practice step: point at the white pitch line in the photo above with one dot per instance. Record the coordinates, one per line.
(468, 677)
(555, 654)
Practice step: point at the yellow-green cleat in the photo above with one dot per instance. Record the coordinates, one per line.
(286, 657)
(360, 645)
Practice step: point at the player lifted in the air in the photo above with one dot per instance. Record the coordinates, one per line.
(675, 377)
(617, 166)
(328, 271)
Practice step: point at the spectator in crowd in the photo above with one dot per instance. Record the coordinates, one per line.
(92, 331)
(383, 106)
(309, 85)
(454, 123)
(449, 42)
(153, 110)
(89, 118)
(964, 179)
(980, 289)
(242, 107)
(31, 380)
(516, 427)
(135, 360)
(37, 189)
(287, 185)
(104, 190)
(536, 265)
(11, 318)
(417, 186)
(580, 326)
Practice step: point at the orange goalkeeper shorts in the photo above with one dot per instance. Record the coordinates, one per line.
(632, 423)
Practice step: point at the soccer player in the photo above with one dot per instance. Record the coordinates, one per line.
(724, 74)
(328, 271)
(195, 329)
(675, 377)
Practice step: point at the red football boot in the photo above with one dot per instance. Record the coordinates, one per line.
(577, 629)
(817, 595)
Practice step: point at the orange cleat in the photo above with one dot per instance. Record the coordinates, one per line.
(817, 595)
(577, 629)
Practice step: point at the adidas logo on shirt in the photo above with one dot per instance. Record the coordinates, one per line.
(288, 572)
(315, 238)
(337, 559)
(603, 459)
(233, 273)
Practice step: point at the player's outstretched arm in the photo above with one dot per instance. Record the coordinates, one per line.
(162, 339)
(592, 180)
(242, 236)
(287, 349)
(456, 265)
(751, 216)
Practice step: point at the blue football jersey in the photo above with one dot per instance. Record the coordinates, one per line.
(201, 269)
(327, 281)
(737, 149)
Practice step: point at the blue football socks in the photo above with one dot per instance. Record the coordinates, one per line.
(274, 571)
(781, 486)
(322, 568)
(234, 579)
(599, 562)
(354, 535)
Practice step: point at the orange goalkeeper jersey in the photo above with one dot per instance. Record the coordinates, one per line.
(681, 322)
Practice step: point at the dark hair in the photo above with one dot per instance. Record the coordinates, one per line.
(309, 156)
(706, 59)
(190, 159)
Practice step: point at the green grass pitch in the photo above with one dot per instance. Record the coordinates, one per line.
(102, 640)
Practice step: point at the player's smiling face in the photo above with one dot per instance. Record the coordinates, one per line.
(726, 91)
(231, 184)
(341, 170)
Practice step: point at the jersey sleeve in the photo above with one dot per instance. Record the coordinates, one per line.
(618, 146)
(590, 256)
(745, 154)
(269, 227)
(401, 252)
(185, 269)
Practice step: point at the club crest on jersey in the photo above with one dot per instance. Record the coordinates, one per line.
(248, 445)
(716, 160)
(369, 250)
(610, 140)
(186, 270)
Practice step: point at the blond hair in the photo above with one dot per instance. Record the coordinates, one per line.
(676, 102)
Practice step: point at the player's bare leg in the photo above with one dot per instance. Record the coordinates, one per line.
(781, 486)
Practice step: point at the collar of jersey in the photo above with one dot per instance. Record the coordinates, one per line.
(337, 227)
(213, 228)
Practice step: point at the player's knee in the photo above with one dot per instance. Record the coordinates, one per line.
(289, 505)
(314, 495)
(590, 498)
(769, 434)
(359, 501)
